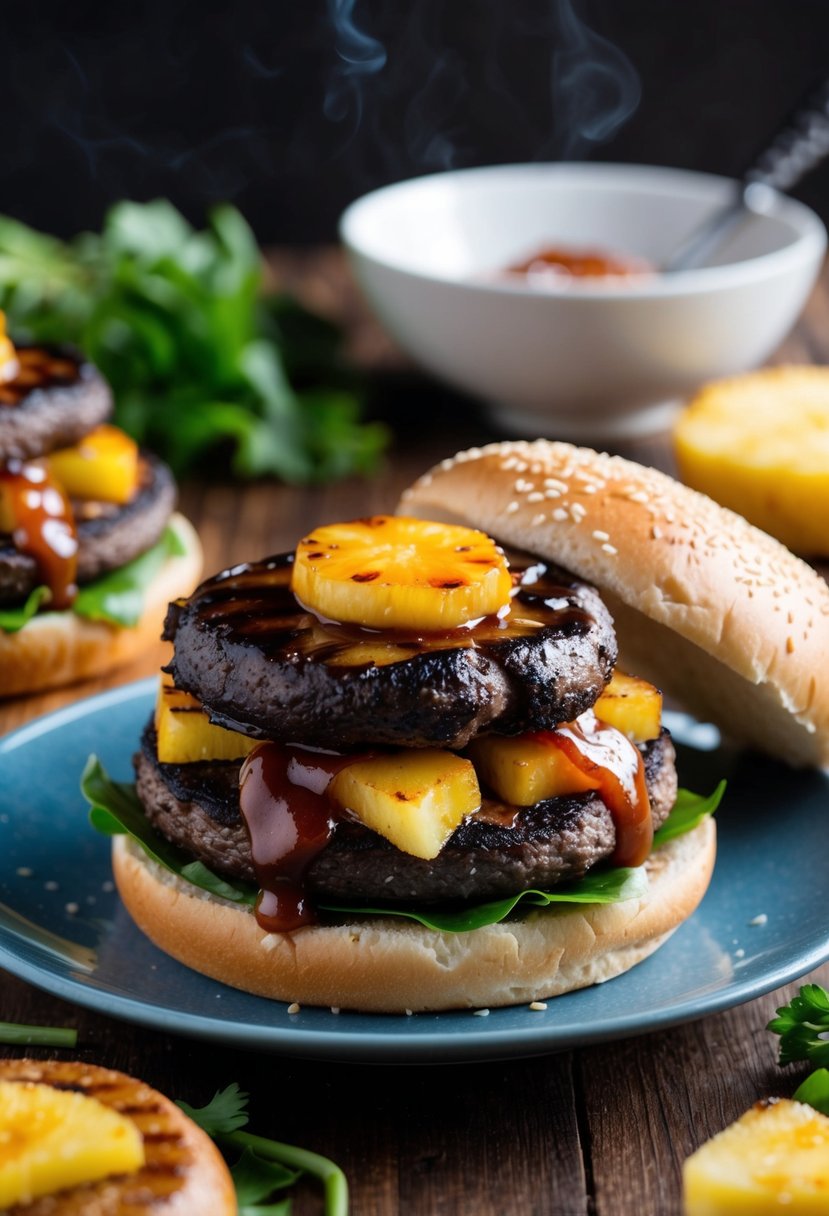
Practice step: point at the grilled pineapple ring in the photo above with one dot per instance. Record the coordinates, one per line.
(388, 572)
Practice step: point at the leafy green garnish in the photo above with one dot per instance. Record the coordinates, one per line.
(116, 810)
(688, 812)
(265, 1166)
(15, 1035)
(118, 597)
(603, 887)
(803, 1026)
(12, 619)
(814, 1091)
(195, 351)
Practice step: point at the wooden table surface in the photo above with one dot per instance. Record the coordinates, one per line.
(598, 1130)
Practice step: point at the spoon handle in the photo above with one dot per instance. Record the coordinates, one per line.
(800, 145)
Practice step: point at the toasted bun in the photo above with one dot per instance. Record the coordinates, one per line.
(395, 966)
(58, 648)
(705, 605)
(183, 1172)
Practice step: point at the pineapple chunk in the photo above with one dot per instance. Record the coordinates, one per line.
(631, 705)
(525, 769)
(415, 799)
(186, 734)
(51, 1139)
(774, 1159)
(102, 467)
(396, 573)
(759, 443)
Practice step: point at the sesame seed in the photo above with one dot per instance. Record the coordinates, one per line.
(294, 1007)
(481, 1013)
(537, 519)
(638, 496)
(409, 1013)
(740, 953)
(656, 533)
(51, 885)
(577, 511)
(552, 493)
(335, 1009)
(761, 919)
(591, 489)
(24, 872)
(108, 886)
(511, 508)
(599, 535)
(538, 1005)
(536, 496)
(559, 514)
(72, 909)
(611, 549)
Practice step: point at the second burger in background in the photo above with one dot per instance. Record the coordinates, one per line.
(91, 550)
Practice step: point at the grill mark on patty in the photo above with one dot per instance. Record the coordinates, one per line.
(197, 807)
(264, 666)
(67, 398)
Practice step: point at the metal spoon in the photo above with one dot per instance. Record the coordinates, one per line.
(801, 144)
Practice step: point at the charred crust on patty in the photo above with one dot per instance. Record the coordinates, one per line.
(256, 660)
(57, 398)
(493, 853)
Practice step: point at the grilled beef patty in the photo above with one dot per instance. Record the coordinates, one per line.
(108, 535)
(263, 665)
(55, 399)
(496, 852)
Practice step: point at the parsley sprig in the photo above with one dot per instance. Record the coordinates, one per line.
(803, 1027)
(265, 1166)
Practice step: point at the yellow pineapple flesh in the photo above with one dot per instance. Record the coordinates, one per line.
(774, 1159)
(387, 572)
(631, 705)
(186, 735)
(415, 799)
(103, 466)
(525, 769)
(51, 1139)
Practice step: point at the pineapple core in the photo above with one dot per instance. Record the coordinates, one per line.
(395, 573)
(774, 1159)
(51, 1139)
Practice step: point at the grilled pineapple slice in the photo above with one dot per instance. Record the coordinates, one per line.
(395, 573)
(525, 769)
(759, 444)
(102, 467)
(415, 799)
(774, 1159)
(51, 1139)
(186, 735)
(631, 705)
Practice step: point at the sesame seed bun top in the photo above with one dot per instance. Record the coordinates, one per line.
(706, 606)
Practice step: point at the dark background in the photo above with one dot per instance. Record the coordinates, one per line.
(291, 108)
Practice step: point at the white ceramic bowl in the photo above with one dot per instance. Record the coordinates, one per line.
(591, 360)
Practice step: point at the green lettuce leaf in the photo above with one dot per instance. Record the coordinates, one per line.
(118, 597)
(12, 619)
(115, 809)
(814, 1091)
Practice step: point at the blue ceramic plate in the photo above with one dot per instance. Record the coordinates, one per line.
(61, 926)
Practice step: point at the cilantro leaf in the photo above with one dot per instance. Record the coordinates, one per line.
(256, 1178)
(225, 1112)
(803, 1026)
(814, 1091)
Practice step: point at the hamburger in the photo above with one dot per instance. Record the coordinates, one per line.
(90, 548)
(81, 1140)
(401, 770)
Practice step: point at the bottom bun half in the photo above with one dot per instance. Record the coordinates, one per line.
(392, 966)
(58, 648)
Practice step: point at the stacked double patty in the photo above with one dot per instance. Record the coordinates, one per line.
(261, 664)
(51, 399)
